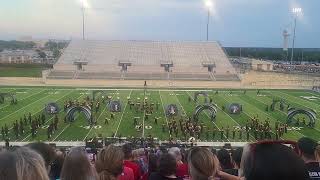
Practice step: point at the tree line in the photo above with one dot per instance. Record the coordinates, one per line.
(14, 45)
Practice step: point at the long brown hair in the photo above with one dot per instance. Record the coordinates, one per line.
(109, 163)
(203, 165)
(30, 165)
(77, 166)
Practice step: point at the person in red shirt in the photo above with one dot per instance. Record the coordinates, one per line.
(182, 168)
(128, 161)
(127, 174)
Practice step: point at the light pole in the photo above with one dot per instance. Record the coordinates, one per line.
(83, 20)
(84, 6)
(296, 12)
(208, 6)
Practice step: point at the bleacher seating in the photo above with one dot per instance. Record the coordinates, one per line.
(146, 57)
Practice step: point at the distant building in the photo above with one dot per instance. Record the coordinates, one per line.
(259, 65)
(19, 57)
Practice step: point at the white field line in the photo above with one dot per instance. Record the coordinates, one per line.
(67, 125)
(97, 121)
(23, 98)
(61, 132)
(286, 114)
(230, 116)
(251, 116)
(49, 118)
(208, 117)
(143, 119)
(164, 111)
(122, 116)
(295, 98)
(25, 107)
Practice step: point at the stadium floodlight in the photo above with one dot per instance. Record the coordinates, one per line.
(84, 3)
(209, 5)
(296, 12)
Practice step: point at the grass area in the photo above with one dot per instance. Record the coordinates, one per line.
(33, 100)
(22, 70)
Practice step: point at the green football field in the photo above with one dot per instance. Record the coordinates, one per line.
(33, 100)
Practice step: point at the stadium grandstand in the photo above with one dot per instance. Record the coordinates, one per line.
(149, 60)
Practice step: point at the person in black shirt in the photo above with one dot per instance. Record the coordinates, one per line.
(272, 161)
(307, 148)
(236, 160)
(166, 170)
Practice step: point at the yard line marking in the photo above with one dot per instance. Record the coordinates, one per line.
(209, 118)
(144, 115)
(122, 115)
(251, 116)
(263, 113)
(23, 98)
(49, 118)
(68, 124)
(286, 114)
(61, 132)
(296, 98)
(230, 116)
(26, 106)
(97, 121)
(312, 93)
(164, 111)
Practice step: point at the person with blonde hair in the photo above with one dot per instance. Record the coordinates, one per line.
(109, 164)
(30, 165)
(202, 164)
(77, 166)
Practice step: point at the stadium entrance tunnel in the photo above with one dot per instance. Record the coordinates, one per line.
(211, 107)
(74, 109)
(311, 114)
(11, 96)
(205, 94)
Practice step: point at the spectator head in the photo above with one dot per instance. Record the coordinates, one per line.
(167, 165)
(30, 165)
(224, 159)
(57, 165)
(127, 150)
(175, 152)
(109, 164)
(8, 166)
(267, 161)
(202, 164)
(76, 166)
(236, 157)
(135, 155)
(46, 151)
(153, 163)
(307, 148)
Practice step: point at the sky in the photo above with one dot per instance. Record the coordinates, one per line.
(246, 23)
